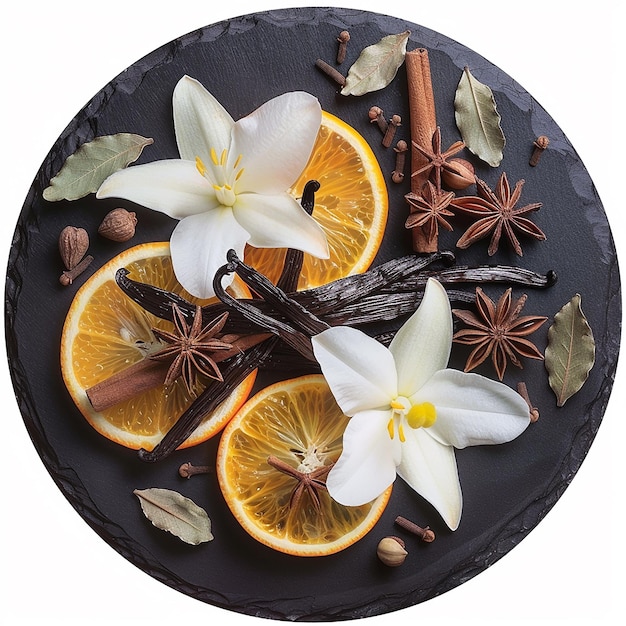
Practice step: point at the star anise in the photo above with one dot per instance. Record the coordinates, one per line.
(437, 160)
(311, 482)
(191, 346)
(429, 210)
(496, 213)
(498, 331)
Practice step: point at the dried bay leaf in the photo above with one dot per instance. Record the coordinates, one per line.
(570, 353)
(478, 120)
(377, 65)
(84, 171)
(170, 511)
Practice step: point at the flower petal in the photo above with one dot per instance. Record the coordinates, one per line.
(172, 187)
(359, 370)
(199, 245)
(473, 410)
(422, 346)
(430, 469)
(200, 121)
(275, 142)
(279, 222)
(366, 466)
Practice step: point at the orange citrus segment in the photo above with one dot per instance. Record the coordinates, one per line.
(351, 206)
(106, 332)
(299, 422)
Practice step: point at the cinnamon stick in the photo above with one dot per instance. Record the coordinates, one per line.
(423, 121)
(137, 378)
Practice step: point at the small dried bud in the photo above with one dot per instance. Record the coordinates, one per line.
(391, 551)
(73, 245)
(374, 113)
(118, 225)
(397, 176)
(540, 144)
(462, 177)
(390, 133)
(343, 39)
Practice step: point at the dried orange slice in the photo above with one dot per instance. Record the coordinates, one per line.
(351, 206)
(298, 422)
(105, 332)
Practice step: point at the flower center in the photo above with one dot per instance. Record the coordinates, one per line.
(222, 176)
(422, 415)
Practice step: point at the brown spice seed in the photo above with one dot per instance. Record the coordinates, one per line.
(391, 551)
(73, 245)
(459, 175)
(118, 225)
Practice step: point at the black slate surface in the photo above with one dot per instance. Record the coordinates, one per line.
(507, 489)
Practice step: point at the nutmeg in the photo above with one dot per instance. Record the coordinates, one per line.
(118, 225)
(462, 176)
(73, 245)
(391, 551)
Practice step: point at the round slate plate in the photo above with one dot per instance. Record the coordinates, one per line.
(507, 489)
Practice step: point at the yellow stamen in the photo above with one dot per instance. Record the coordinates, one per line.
(201, 167)
(237, 162)
(421, 415)
(223, 156)
(239, 173)
(390, 428)
(217, 188)
(401, 432)
(395, 404)
(214, 157)
(228, 187)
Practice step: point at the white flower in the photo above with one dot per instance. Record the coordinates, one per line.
(408, 412)
(230, 185)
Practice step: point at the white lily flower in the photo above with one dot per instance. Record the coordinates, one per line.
(230, 185)
(408, 412)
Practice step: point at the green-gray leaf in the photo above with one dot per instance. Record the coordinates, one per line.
(92, 163)
(377, 65)
(570, 353)
(478, 120)
(169, 510)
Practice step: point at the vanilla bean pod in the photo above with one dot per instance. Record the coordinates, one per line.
(156, 300)
(386, 307)
(292, 266)
(296, 313)
(391, 274)
(481, 274)
(298, 340)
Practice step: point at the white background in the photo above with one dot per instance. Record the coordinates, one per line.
(56, 56)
